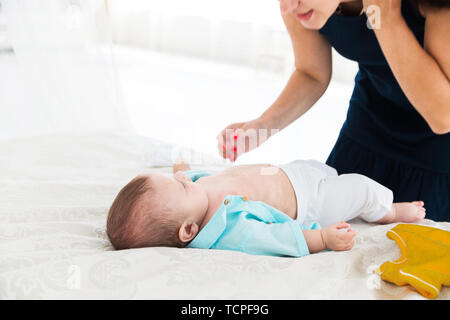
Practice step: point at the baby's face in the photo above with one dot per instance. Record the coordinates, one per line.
(184, 198)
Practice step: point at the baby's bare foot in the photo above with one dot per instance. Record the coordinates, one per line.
(405, 212)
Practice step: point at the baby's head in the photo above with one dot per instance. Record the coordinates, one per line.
(156, 210)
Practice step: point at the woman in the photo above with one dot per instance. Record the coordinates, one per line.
(398, 121)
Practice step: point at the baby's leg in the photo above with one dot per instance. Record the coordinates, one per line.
(348, 196)
(405, 212)
(345, 197)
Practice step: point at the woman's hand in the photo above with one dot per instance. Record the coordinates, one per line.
(241, 137)
(422, 71)
(336, 238)
(388, 12)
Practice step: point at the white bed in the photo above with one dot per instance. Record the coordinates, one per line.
(55, 192)
(56, 189)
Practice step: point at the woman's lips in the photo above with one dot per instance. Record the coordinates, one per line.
(305, 16)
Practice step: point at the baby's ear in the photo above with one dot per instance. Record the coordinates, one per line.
(188, 231)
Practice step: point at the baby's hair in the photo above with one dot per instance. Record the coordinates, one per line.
(131, 225)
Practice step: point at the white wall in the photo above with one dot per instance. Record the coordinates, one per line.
(61, 76)
(4, 42)
(215, 62)
(240, 32)
(249, 33)
(186, 72)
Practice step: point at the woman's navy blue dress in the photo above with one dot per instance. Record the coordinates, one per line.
(384, 137)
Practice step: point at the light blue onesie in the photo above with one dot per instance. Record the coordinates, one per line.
(249, 226)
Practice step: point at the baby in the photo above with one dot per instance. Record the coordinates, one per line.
(293, 209)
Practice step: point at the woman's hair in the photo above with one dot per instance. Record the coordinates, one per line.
(132, 225)
(433, 3)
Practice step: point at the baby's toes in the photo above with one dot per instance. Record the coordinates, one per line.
(418, 203)
(421, 213)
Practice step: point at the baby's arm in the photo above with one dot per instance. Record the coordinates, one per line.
(289, 239)
(334, 237)
(314, 240)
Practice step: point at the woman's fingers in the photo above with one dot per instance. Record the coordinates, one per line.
(223, 142)
(239, 140)
(226, 144)
(241, 137)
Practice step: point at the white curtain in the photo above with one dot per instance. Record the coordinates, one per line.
(61, 77)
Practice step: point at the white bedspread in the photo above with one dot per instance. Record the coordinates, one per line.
(55, 192)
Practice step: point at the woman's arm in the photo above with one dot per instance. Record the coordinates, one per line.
(299, 95)
(310, 79)
(306, 85)
(423, 74)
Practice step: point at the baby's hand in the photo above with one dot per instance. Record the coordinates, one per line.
(180, 165)
(339, 237)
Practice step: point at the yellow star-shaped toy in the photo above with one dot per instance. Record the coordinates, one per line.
(425, 259)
